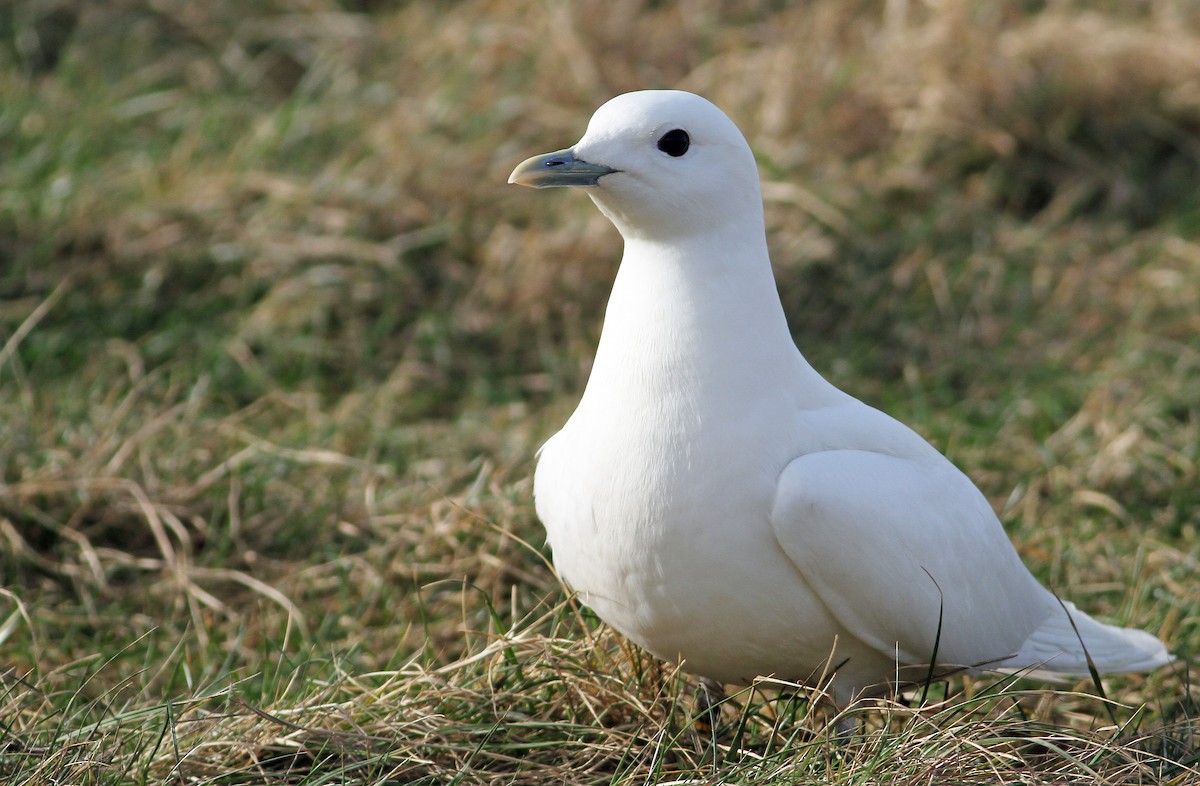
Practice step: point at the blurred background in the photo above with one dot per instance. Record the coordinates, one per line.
(278, 343)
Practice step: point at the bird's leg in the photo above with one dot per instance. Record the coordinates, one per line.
(708, 697)
(845, 723)
(844, 730)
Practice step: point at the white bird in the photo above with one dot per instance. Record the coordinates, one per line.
(719, 503)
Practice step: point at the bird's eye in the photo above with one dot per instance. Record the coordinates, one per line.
(675, 142)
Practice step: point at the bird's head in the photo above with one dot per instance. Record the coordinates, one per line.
(660, 164)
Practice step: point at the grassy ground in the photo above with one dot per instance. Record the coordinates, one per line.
(277, 346)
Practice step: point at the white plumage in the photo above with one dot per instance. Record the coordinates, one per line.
(718, 502)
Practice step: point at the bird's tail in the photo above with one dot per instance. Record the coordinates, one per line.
(1064, 642)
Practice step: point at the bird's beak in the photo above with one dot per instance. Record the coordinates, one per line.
(560, 168)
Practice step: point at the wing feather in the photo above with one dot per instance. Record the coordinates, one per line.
(891, 544)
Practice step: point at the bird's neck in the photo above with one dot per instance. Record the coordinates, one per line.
(703, 311)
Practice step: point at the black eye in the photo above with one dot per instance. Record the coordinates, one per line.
(674, 143)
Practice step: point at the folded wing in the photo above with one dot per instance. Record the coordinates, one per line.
(909, 557)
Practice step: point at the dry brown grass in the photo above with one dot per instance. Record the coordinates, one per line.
(277, 347)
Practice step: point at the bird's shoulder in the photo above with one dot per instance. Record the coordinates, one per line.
(845, 423)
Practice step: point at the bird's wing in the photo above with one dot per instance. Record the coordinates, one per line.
(891, 545)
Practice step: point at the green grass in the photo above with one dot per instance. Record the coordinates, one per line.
(278, 345)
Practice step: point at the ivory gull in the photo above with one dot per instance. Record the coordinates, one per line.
(718, 502)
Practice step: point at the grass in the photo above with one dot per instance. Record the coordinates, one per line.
(277, 347)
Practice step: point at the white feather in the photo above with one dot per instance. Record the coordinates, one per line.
(718, 502)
